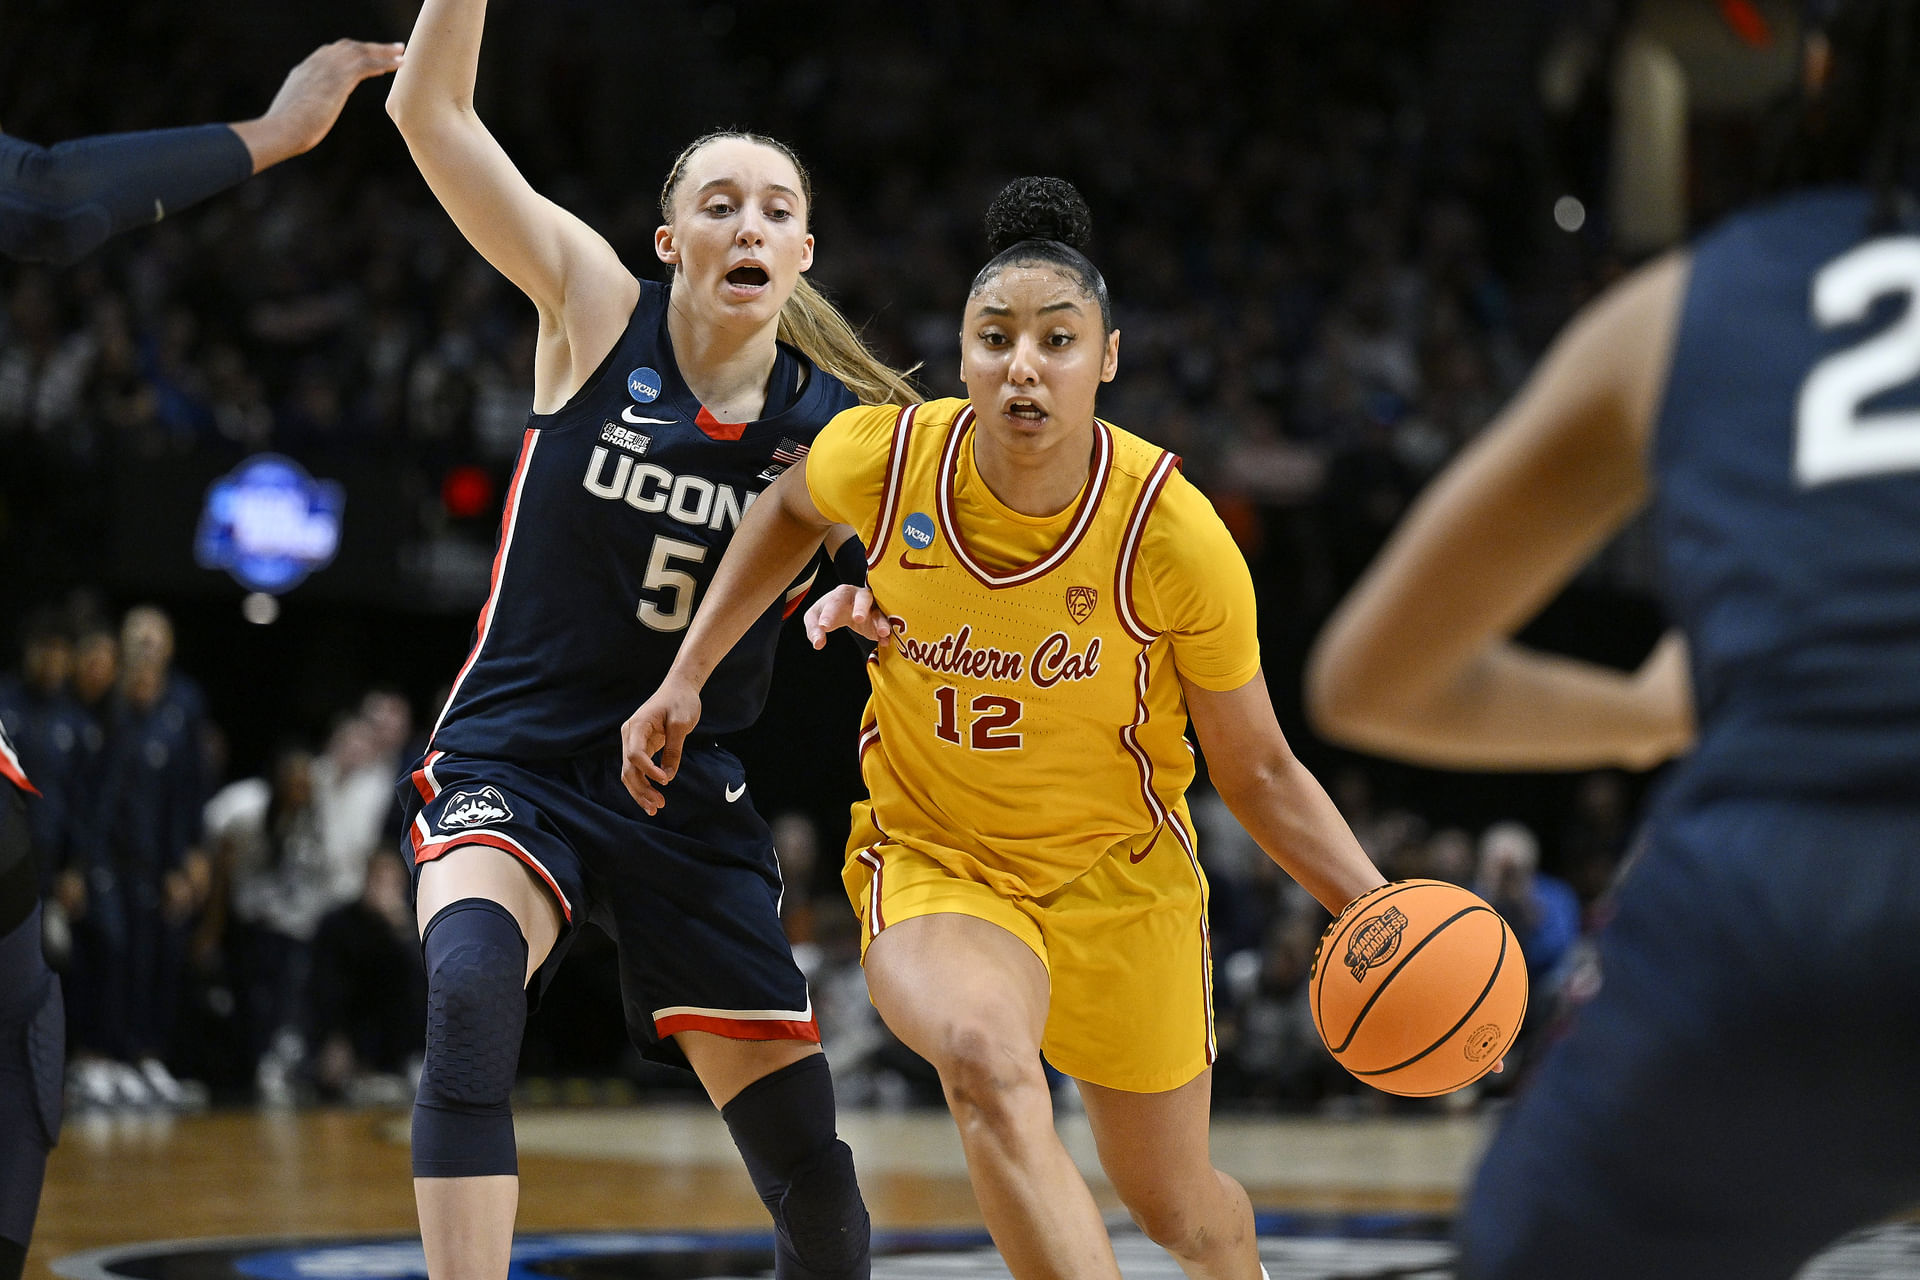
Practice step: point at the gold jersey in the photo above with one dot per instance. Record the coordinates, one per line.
(1027, 717)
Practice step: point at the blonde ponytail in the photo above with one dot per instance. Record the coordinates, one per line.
(814, 325)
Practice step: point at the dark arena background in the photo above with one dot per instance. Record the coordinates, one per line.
(1338, 234)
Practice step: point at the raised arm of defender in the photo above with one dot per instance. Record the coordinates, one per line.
(564, 266)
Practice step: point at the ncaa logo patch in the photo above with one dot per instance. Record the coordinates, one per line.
(1080, 602)
(1375, 941)
(474, 807)
(643, 384)
(917, 529)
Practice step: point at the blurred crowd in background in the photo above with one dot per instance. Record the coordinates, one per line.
(1333, 251)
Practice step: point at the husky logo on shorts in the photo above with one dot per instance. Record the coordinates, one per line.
(474, 809)
(1080, 602)
(1375, 940)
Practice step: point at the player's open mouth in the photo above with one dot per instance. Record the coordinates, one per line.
(1026, 411)
(748, 277)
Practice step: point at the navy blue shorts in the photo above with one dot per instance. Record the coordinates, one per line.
(691, 896)
(1745, 1086)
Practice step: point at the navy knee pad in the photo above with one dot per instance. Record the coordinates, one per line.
(476, 1012)
(783, 1124)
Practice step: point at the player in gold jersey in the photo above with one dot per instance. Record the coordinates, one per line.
(1054, 601)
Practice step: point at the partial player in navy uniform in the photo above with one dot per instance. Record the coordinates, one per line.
(1742, 1089)
(32, 1024)
(48, 730)
(59, 203)
(56, 205)
(659, 414)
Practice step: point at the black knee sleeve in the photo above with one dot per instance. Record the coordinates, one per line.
(476, 1012)
(783, 1124)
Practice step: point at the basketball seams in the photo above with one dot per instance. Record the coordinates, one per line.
(1407, 959)
(1499, 963)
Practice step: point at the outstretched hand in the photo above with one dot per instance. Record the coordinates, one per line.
(660, 725)
(847, 606)
(311, 97)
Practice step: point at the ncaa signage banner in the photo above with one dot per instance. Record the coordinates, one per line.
(269, 524)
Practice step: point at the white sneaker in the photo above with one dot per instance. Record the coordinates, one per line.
(130, 1088)
(90, 1085)
(169, 1091)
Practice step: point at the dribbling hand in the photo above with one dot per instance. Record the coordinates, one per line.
(847, 606)
(660, 725)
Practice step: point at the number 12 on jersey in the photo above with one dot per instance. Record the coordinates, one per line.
(991, 715)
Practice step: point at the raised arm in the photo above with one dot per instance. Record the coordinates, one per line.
(1282, 806)
(776, 538)
(59, 203)
(1418, 663)
(566, 268)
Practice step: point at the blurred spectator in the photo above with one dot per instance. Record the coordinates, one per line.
(1542, 909)
(147, 876)
(353, 783)
(366, 1010)
(266, 837)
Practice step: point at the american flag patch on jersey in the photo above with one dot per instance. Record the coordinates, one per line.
(790, 451)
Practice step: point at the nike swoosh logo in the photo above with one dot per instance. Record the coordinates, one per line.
(640, 420)
(908, 564)
(734, 793)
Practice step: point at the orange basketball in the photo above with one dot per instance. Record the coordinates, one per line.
(1418, 988)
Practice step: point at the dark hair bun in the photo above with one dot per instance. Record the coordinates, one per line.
(1038, 209)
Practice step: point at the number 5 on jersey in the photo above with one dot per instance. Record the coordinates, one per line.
(678, 583)
(991, 715)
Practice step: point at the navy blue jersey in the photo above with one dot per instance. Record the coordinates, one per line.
(620, 508)
(1787, 464)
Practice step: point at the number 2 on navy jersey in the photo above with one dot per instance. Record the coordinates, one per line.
(1833, 438)
(662, 576)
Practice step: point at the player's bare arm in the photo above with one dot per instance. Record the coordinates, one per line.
(1282, 805)
(778, 535)
(565, 267)
(1419, 663)
(311, 97)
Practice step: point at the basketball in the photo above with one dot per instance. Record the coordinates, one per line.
(1418, 988)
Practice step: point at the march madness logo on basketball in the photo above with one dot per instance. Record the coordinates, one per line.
(473, 809)
(1374, 941)
(1080, 602)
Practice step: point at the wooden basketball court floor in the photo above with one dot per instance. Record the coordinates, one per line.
(130, 1177)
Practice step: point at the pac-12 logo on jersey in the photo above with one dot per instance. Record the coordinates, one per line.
(475, 808)
(1081, 602)
(918, 530)
(643, 384)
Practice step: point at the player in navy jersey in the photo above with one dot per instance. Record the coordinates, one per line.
(1741, 1090)
(660, 412)
(32, 1024)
